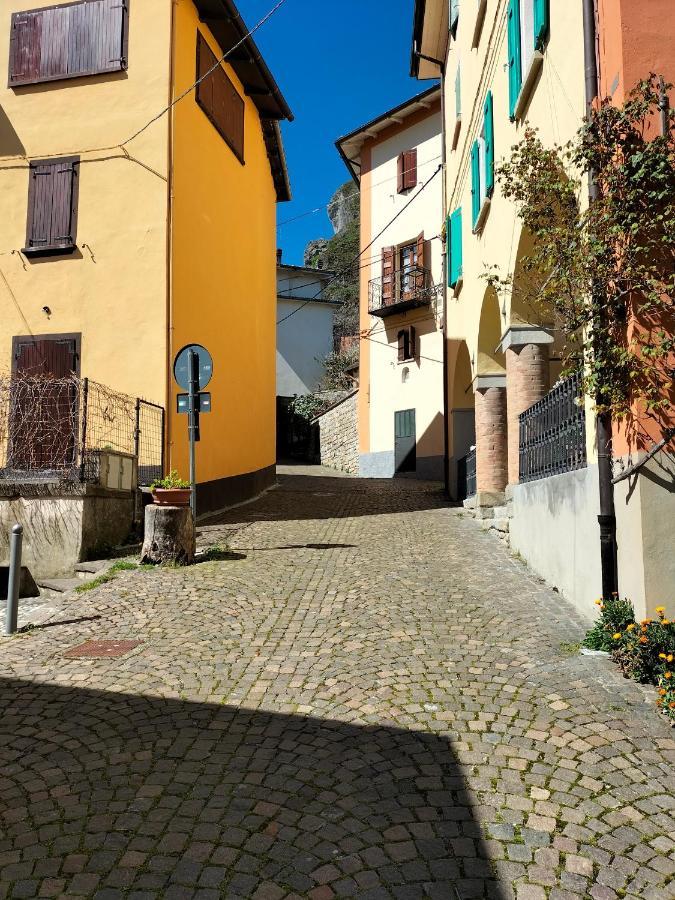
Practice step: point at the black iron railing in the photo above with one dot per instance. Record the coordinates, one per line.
(553, 433)
(403, 289)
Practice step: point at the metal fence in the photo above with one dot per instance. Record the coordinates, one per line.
(553, 433)
(57, 428)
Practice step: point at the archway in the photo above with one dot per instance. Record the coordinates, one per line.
(490, 358)
(461, 425)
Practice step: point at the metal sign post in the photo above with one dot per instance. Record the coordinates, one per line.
(192, 369)
(12, 608)
(193, 425)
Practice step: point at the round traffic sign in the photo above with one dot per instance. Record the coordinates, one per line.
(181, 367)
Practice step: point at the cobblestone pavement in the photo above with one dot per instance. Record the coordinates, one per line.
(365, 698)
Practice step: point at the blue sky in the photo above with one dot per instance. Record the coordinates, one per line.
(338, 63)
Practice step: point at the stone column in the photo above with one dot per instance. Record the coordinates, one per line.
(491, 439)
(527, 381)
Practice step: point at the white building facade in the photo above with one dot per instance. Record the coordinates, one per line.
(304, 329)
(396, 161)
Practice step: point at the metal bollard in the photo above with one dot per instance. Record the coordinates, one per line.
(14, 579)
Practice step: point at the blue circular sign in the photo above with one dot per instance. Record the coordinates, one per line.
(181, 366)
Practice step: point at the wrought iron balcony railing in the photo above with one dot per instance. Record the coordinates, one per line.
(553, 433)
(404, 289)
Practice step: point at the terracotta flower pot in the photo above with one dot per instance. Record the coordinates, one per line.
(171, 496)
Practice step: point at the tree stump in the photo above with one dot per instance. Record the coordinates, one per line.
(169, 536)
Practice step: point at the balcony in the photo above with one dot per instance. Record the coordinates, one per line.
(405, 289)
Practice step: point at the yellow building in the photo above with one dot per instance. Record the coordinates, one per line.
(138, 214)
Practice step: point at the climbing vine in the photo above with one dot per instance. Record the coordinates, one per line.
(603, 273)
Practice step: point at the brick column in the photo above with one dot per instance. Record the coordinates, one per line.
(491, 437)
(527, 381)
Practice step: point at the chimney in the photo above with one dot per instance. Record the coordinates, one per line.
(279, 253)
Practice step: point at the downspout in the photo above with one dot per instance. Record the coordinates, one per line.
(446, 398)
(168, 418)
(607, 516)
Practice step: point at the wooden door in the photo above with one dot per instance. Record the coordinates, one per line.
(405, 441)
(43, 403)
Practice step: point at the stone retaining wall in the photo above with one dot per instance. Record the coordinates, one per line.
(339, 436)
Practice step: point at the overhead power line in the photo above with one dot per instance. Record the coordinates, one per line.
(367, 247)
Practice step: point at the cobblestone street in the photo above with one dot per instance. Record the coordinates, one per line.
(360, 694)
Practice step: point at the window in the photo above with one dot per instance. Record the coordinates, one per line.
(458, 106)
(483, 163)
(52, 206)
(528, 24)
(218, 98)
(407, 344)
(407, 263)
(406, 166)
(454, 243)
(68, 41)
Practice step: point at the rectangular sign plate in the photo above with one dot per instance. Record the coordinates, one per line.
(203, 402)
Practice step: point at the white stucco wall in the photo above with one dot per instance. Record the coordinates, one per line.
(423, 389)
(306, 337)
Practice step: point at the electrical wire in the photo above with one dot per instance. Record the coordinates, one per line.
(173, 103)
(317, 209)
(367, 247)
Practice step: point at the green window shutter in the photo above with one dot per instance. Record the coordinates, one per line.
(458, 93)
(455, 247)
(541, 23)
(454, 14)
(475, 183)
(515, 63)
(489, 145)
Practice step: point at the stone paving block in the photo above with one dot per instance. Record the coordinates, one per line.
(367, 700)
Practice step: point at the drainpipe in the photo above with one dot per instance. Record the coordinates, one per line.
(607, 517)
(446, 393)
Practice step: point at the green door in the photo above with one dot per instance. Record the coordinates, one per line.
(405, 442)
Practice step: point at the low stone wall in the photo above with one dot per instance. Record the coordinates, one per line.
(338, 428)
(63, 524)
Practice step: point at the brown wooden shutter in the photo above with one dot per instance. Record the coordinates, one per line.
(24, 47)
(388, 254)
(413, 342)
(401, 345)
(400, 173)
(421, 278)
(52, 205)
(219, 99)
(410, 174)
(68, 41)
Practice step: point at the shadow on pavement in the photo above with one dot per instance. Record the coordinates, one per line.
(106, 793)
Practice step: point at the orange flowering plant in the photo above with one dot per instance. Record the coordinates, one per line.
(645, 650)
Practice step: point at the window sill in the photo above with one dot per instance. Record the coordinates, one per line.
(528, 84)
(455, 134)
(478, 27)
(482, 216)
(57, 250)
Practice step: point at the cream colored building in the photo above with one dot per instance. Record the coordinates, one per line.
(396, 161)
(504, 65)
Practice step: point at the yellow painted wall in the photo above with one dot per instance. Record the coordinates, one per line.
(223, 274)
(113, 290)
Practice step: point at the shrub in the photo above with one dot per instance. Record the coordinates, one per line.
(644, 651)
(170, 482)
(615, 615)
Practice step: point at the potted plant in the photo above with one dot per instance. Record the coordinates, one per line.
(171, 490)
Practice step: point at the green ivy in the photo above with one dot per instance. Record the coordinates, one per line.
(603, 273)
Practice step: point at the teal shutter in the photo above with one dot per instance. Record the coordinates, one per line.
(541, 23)
(454, 14)
(458, 93)
(515, 63)
(489, 145)
(475, 183)
(455, 247)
